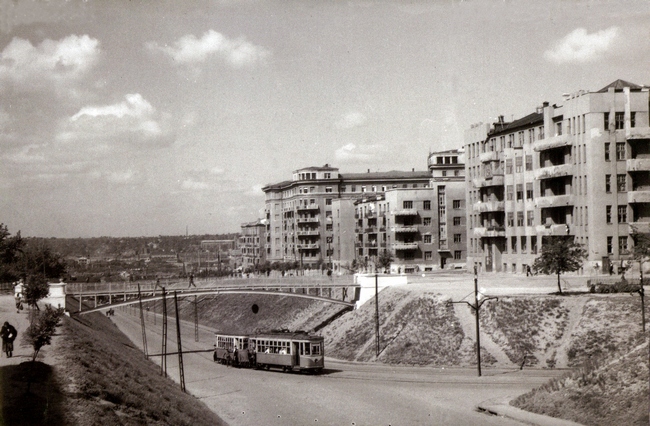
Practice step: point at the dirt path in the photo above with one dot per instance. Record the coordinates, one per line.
(468, 323)
(396, 309)
(576, 306)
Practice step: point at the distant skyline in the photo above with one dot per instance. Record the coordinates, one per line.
(149, 118)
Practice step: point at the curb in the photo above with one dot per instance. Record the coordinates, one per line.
(501, 407)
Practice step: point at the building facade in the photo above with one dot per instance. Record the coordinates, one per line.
(252, 245)
(580, 170)
(300, 212)
(422, 229)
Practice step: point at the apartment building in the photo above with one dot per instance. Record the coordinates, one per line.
(578, 170)
(300, 212)
(422, 228)
(252, 244)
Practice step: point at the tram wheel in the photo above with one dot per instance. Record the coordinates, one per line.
(267, 367)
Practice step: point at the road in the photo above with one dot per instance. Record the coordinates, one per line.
(345, 394)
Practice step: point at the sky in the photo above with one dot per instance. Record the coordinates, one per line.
(145, 118)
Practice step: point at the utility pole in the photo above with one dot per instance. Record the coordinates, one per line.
(376, 313)
(144, 332)
(181, 370)
(476, 307)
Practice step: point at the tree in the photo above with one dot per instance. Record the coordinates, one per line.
(10, 250)
(559, 255)
(641, 250)
(41, 328)
(384, 260)
(38, 259)
(35, 289)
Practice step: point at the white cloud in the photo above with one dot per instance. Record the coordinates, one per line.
(134, 105)
(255, 190)
(192, 50)
(192, 184)
(352, 153)
(62, 60)
(216, 171)
(579, 46)
(128, 122)
(350, 120)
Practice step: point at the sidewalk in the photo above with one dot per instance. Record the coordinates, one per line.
(502, 407)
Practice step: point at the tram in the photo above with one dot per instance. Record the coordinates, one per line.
(281, 349)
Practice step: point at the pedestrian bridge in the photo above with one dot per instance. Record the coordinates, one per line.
(109, 295)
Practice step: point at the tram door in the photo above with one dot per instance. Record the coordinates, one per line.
(296, 353)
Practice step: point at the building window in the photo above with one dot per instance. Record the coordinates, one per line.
(426, 221)
(520, 218)
(519, 163)
(513, 245)
(608, 214)
(622, 214)
(531, 135)
(328, 201)
(521, 139)
(407, 204)
(456, 220)
(456, 204)
(427, 205)
(353, 188)
(442, 213)
(621, 183)
(540, 133)
(509, 166)
(511, 219)
(610, 249)
(529, 162)
(427, 239)
(509, 192)
(619, 118)
(606, 151)
(524, 247)
(622, 245)
(606, 121)
(608, 183)
(363, 189)
(633, 119)
(620, 151)
(428, 255)
(520, 191)
(529, 190)
(327, 175)
(458, 255)
(529, 218)
(457, 238)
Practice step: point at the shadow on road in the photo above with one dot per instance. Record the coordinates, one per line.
(31, 395)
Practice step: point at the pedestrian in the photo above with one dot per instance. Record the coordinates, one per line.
(528, 271)
(191, 280)
(8, 334)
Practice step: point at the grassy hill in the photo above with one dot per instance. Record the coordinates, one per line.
(105, 380)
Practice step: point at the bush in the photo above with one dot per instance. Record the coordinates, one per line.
(41, 328)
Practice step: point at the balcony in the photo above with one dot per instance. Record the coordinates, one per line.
(489, 156)
(488, 206)
(634, 197)
(371, 230)
(554, 201)
(554, 171)
(405, 246)
(308, 233)
(405, 229)
(306, 207)
(405, 212)
(555, 230)
(553, 142)
(639, 227)
(638, 165)
(371, 244)
(495, 180)
(313, 246)
(480, 232)
(637, 133)
(307, 220)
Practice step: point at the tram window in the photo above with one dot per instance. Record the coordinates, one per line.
(315, 349)
(306, 347)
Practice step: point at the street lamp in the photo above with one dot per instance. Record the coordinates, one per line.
(476, 306)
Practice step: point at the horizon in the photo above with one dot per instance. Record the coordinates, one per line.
(127, 119)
